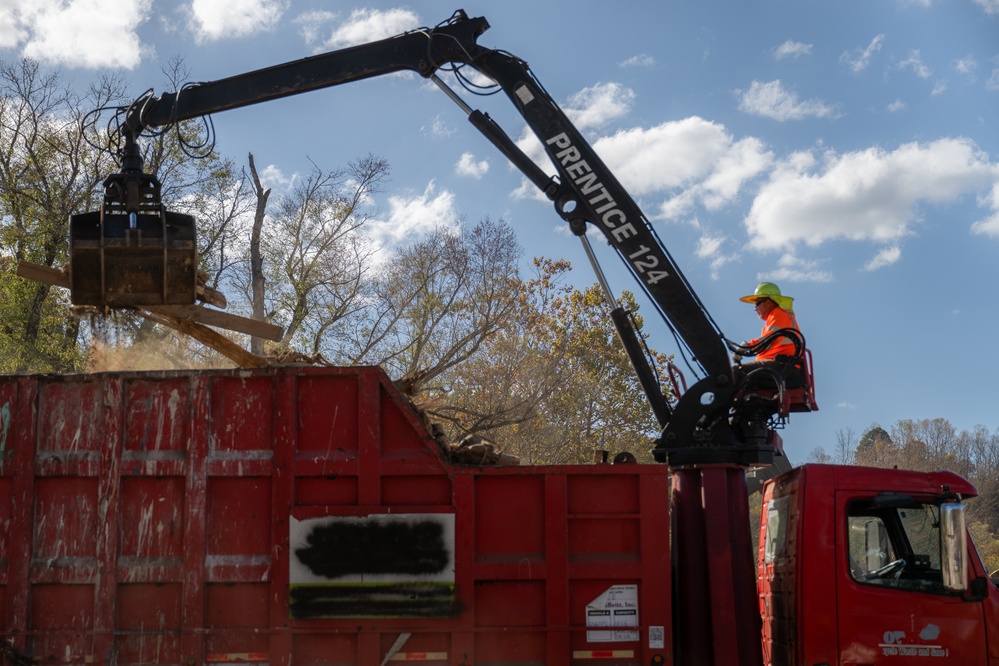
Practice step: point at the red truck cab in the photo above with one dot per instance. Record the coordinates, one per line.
(863, 566)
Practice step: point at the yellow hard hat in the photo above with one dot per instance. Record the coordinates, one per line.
(771, 291)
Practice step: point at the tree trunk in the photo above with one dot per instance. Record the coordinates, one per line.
(256, 260)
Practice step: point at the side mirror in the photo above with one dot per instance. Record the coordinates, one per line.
(953, 547)
(978, 591)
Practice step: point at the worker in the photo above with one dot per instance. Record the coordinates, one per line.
(776, 311)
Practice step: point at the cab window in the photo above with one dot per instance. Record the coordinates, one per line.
(895, 546)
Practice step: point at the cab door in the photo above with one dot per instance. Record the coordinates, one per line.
(893, 608)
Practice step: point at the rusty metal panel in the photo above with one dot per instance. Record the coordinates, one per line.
(304, 516)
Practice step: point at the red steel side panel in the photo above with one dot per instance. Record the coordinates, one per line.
(303, 516)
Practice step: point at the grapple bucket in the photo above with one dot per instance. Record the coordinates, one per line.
(132, 252)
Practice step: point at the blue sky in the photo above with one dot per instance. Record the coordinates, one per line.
(845, 150)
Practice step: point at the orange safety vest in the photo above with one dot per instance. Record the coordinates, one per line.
(777, 319)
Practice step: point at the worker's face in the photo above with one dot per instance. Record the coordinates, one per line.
(764, 307)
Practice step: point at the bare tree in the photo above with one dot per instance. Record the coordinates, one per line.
(439, 300)
(820, 456)
(846, 445)
(318, 257)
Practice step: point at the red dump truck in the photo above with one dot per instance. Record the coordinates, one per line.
(305, 516)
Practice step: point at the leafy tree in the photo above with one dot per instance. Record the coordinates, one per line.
(875, 448)
(49, 169)
(559, 378)
(54, 157)
(933, 444)
(500, 389)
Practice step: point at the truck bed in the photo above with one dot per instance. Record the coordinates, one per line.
(304, 516)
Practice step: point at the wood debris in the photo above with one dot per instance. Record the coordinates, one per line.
(193, 320)
(471, 450)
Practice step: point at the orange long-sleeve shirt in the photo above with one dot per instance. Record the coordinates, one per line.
(778, 318)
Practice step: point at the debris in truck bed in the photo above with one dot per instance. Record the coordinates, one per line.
(188, 319)
(471, 450)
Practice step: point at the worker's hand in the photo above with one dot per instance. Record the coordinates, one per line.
(738, 350)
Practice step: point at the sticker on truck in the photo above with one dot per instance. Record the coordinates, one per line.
(612, 612)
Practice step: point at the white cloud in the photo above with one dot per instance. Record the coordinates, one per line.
(771, 100)
(886, 257)
(670, 155)
(915, 62)
(599, 104)
(368, 25)
(212, 20)
(861, 58)
(709, 248)
(467, 166)
(438, 128)
(690, 161)
(640, 60)
(79, 33)
(989, 6)
(12, 31)
(791, 268)
(693, 155)
(869, 195)
(272, 177)
(993, 82)
(895, 106)
(966, 65)
(679, 206)
(742, 161)
(792, 49)
(412, 216)
(314, 25)
(990, 225)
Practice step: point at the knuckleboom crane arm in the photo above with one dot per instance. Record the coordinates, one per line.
(584, 192)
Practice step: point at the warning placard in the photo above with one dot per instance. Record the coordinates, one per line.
(610, 614)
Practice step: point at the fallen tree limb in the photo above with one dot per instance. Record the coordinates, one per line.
(188, 319)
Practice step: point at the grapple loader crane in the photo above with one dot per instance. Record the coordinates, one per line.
(715, 430)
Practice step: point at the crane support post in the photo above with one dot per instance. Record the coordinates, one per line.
(715, 597)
